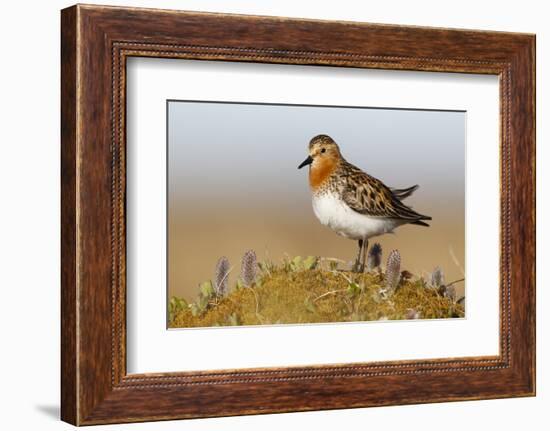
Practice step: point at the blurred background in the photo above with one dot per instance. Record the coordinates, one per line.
(233, 184)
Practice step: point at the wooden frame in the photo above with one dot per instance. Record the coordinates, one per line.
(96, 41)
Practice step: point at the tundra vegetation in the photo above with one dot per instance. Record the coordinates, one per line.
(315, 290)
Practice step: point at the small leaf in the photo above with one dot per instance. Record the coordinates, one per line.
(207, 290)
(296, 263)
(175, 305)
(310, 262)
(202, 303)
(266, 267)
(333, 265)
(310, 306)
(354, 289)
(194, 309)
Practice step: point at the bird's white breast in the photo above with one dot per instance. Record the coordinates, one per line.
(334, 213)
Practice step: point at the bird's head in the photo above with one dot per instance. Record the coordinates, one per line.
(322, 150)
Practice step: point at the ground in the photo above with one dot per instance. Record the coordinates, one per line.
(312, 291)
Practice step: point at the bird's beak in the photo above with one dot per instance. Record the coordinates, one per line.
(306, 162)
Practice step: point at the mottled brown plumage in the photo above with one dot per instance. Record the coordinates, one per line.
(370, 196)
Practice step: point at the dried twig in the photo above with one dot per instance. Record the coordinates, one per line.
(455, 260)
(332, 292)
(454, 282)
(257, 303)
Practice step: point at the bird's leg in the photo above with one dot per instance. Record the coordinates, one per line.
(365, 248)
(357, 265)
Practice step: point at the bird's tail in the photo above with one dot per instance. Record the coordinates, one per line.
(404, 193)
(421, 223)
(408, 213)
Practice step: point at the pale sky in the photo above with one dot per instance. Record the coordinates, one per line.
(254, 150)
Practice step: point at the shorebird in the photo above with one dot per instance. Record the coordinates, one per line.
(352, 203)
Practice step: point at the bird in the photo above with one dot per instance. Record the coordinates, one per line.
(351, 202)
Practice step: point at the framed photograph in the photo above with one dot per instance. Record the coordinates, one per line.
(275, 264)
(264, 214)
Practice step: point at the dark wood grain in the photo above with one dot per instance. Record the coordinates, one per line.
(96, 41)
(69, 398)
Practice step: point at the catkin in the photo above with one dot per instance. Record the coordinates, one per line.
(248, 268)
(221, 276)
(393, 270)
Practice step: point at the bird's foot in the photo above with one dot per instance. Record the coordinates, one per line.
(358, 267)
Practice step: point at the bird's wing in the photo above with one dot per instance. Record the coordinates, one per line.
(370, 196)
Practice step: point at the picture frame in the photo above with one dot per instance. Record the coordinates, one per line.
(96, 42)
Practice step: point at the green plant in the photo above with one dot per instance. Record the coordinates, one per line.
(206, 293)
(175, 305)
(353, 289)
(298, 263)
(266, 266)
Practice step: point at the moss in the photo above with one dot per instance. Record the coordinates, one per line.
(290, 294)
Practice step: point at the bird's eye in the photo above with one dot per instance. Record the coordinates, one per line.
(323, 150)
